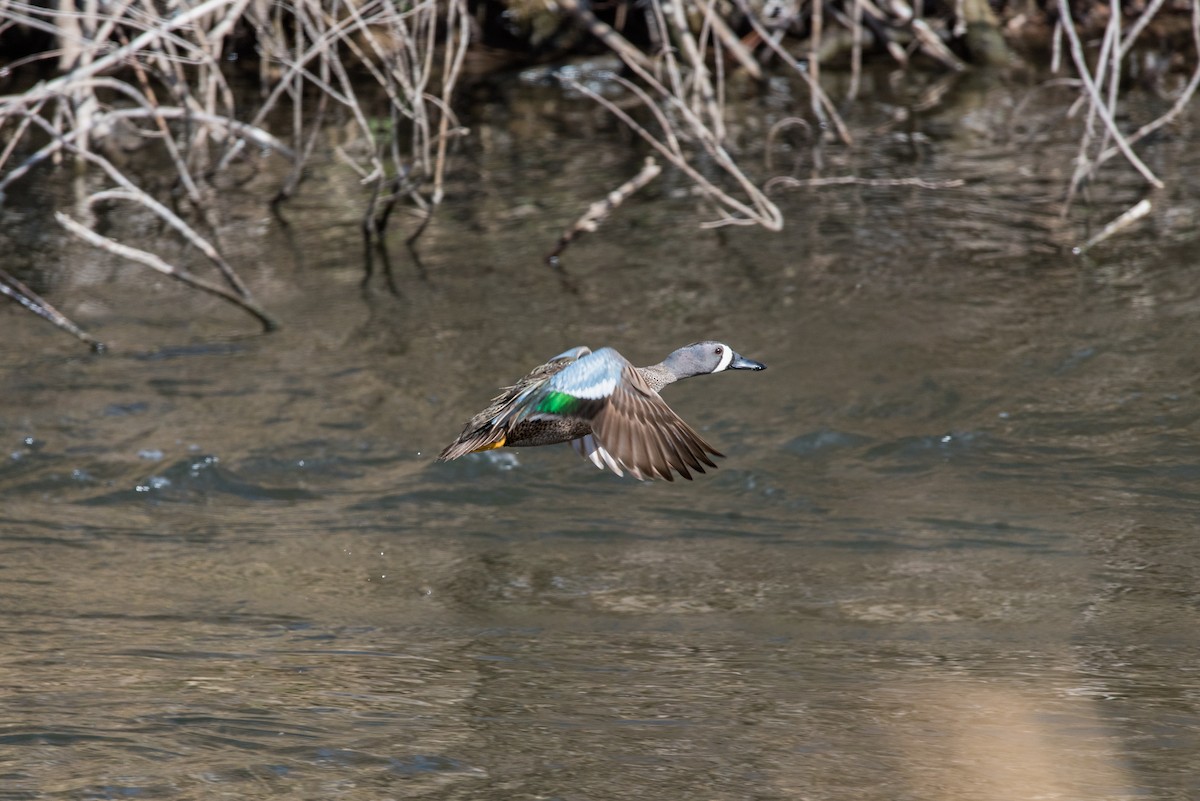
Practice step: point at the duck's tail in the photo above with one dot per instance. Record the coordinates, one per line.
(481, 439)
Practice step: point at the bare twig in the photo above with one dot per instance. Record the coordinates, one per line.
(817, 25)
(451, 68)
(934, 47)
(604, 32)
(1131, 215)
(136, 194)
(843, 180)
(598, 212)
(1056, 48)
(1097, 101)
(1179, 105)
(19, 292)
(162, 29)
(856, 28)
(702, 84)
(824, 102)
(730, 41)
(239, 129)
(1139, 25)
(764, 212)
(156, 263)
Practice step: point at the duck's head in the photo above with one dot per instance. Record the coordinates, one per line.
(708, 357)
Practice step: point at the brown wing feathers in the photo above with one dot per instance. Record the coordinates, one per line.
(646, 436)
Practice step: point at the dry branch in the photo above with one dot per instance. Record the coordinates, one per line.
(1131, 215)
(822, 106)
(848, 180)
(1098, 105)
(763, 212)
(124, 58)
(598, 212)
(20, 293)
(156, 263)
(605, 33)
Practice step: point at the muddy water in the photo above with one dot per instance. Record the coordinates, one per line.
(951, 552)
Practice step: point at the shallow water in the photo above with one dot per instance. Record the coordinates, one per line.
(951, 552)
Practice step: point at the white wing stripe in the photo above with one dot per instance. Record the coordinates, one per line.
(596, 391)
(587, 447)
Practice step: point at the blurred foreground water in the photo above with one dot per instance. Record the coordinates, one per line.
(951, 552)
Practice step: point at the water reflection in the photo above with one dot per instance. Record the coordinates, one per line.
(950, 552)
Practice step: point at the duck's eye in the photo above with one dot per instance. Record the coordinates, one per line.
(719, 350)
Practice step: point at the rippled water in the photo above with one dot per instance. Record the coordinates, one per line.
(951, 553)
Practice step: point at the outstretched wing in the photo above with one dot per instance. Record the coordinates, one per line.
(484, 431)
(638, 430)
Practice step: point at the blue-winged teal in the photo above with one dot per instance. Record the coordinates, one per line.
(609, 410)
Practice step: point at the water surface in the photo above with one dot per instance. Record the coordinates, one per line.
(950, 554)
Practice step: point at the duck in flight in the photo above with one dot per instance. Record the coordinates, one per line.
(609, 410)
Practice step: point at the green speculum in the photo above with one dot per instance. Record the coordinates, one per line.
(558, 403)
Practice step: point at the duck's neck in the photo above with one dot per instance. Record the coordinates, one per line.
(658, 376)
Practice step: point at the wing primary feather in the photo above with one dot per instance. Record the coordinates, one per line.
(684, 448)
(591, 448)
(695, 450)
(628, 449)
(668, 458)
(612, 463)
(679, 456)
(683, 457)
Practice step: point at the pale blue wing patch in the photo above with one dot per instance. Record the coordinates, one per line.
(591, 377)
